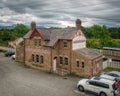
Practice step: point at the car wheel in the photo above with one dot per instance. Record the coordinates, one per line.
(102, 94)
(81, 88)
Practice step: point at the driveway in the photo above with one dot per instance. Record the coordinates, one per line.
(17, 80)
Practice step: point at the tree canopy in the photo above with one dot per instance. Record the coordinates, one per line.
(7, 35)
(97, 36)
(100, 36)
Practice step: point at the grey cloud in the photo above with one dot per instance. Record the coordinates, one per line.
(51, 12)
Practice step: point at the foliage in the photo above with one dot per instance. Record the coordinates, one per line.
(97, 32)
(98, 43)
(7, 35)
(22, 43)
(20, 30)
(114, 33)
(97, 36)
(100, 36)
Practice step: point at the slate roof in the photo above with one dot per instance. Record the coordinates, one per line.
(28, 34)
(89, 53)
(53, 35)
(56, 34)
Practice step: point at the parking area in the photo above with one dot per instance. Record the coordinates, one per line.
(18, 80)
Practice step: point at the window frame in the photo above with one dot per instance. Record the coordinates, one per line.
(78, 63)
(33, 57)
(60, 60)
(83, 65)
(65, 44)
(37, 42)
(66, 60)
(41, 59)
(37, 59)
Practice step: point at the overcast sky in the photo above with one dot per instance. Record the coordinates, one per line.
(61, 13)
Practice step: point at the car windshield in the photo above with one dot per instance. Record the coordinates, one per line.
(113, 74)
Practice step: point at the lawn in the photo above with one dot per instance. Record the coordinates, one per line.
(111, 69)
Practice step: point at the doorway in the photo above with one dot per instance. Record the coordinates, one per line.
(54, 64)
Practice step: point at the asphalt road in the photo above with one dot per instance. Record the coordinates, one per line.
(18, 80)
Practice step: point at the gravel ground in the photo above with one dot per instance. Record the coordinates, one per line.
(17, 80)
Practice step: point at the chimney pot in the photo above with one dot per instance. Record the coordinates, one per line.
(78, 24)
(33, 25)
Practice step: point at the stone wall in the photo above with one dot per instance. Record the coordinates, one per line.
(91, 67)
(31, 49)
(60, 51)
(20, 53)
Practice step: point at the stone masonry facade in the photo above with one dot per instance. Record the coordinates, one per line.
(61, 51)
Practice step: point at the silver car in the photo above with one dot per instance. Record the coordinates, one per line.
(99, 86)
(111, 75)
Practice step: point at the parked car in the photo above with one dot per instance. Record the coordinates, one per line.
(9, 53)
(111, 75)
(99, 86)
(13, 57)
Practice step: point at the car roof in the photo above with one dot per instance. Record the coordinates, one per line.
(116, 72)
(107, 77)
(103, 80)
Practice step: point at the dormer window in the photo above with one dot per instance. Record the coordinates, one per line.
(37, 42)
(65, 44)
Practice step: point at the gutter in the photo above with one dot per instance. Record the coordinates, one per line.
(70, 55)
(51, 60)
(24, 53)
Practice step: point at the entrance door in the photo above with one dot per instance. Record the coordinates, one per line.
(54, 64)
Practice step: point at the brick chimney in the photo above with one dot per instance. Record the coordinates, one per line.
(33, 25)
(78, 24)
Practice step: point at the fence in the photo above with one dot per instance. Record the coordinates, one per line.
(113, 64)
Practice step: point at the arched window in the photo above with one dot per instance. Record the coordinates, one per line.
(37, 58)
(66, 60)
(83, 65)
(41, 59)
(78, 63)
(33, 58)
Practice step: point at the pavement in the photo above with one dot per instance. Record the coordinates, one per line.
(18, 80)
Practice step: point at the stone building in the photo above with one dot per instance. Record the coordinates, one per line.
(61, 51)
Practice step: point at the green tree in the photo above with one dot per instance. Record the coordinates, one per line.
(7, 35)
(20, 30)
